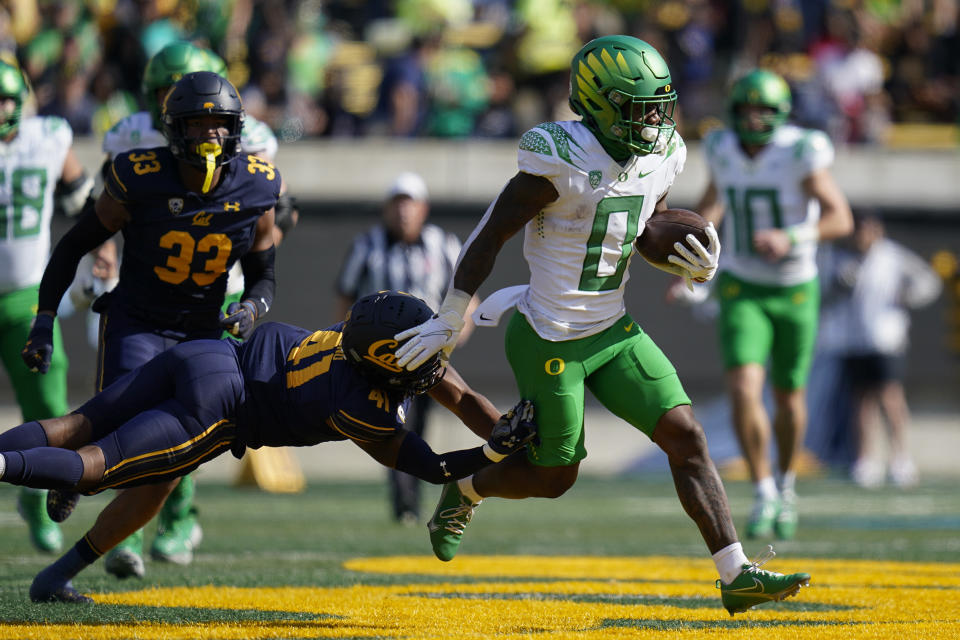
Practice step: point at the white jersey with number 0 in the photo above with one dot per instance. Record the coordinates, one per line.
(766, 192)
(579, 247)
(30, 167)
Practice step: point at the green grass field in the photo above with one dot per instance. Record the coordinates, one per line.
(303, 565)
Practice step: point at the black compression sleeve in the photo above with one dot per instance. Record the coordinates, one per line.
(258, 275)
(85, 236)
(283, 213)
(418, 459)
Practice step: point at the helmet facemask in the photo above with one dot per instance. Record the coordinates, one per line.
(202, 94)
(645, 125)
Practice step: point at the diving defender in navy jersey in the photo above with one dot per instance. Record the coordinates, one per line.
(285, 386)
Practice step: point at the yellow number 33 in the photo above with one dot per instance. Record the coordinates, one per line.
(144, 163)
(256, 164)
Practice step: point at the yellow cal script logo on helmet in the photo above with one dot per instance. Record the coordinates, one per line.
(386, 359)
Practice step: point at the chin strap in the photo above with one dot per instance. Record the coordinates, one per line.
(209, 151)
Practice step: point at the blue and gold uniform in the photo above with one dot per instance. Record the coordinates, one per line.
(178, 247)
(285, 386)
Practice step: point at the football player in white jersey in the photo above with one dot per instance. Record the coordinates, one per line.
(37, 168)
(583, 193)
(771, 186)
(178, 529)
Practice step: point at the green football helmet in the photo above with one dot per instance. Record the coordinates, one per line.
(615, 81)
(12, 85)
(169, 65)
(761, 88)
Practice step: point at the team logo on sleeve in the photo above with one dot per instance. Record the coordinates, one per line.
(175, 205)
(594, 177)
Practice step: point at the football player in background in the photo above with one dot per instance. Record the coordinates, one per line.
(178, 529)
(38, 171)
(583, 193)
(771, 187)
(284, 386)
(187, 212)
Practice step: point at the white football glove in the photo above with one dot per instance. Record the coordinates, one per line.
(438, 334)
(702, 265)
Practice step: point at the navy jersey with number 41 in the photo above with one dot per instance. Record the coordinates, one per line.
(179, 245)
(300, 390)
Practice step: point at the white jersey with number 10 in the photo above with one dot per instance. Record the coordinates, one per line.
(766, 192)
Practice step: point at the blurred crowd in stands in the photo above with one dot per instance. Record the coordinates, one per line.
(491, 68)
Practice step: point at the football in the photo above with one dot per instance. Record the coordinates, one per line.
(665, 228)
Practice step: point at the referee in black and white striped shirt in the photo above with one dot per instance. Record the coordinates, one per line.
(404, 253)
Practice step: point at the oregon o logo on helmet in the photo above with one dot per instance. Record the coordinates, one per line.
(554, 366)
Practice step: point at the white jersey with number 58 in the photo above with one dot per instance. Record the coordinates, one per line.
(30, 167)
(579, 247)
(766, 192)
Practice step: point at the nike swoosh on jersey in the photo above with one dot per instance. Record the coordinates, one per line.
(629, 327)
(484, 317)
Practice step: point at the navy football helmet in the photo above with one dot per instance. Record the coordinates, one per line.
(368, 341)
(197, 94)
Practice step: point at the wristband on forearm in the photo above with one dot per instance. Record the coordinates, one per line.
(258, 273)
(803, 233)
(455, 301)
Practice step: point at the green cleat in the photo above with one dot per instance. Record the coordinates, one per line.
(451, 517)
(178, 532)
(764, 514)
(785, 526)
(44, 532)
(126, 559)
(177, 538)
(755, 586)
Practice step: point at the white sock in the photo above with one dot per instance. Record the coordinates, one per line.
(3, 465)
(466, 488)
(730, 561)
(767, 489)
(788, 482)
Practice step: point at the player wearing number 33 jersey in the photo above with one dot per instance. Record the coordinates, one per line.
(178, 246)
(187, 212)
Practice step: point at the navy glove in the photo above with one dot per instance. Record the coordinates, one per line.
(39, 348)
(512, 432)
(240, 319)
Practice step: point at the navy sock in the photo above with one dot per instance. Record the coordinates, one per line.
(80, 556)
(43, 468)
(27, 436)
